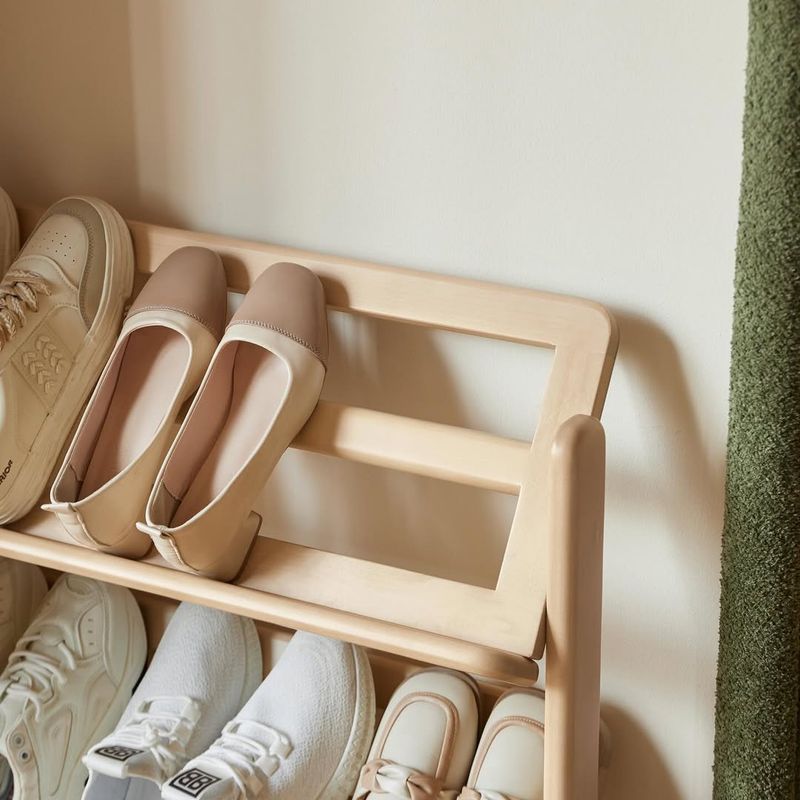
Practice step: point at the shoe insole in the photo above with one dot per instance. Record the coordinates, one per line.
(257, 385)
(152, 368)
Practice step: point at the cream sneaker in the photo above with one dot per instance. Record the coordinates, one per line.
(206, 666)
(9, 236)
(302, 736)
(61, 303)
(67, 683)
(160, 358)
(509, 764)
(263, 383)
(22, 589)
(426, 739)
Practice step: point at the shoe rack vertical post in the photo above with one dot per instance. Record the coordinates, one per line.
(574, 604)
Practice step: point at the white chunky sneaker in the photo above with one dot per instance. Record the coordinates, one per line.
(302, 736)
(67, 683)
(206, 665)
(22, 589)
(9, 244)
(426, 740)
(61, 304)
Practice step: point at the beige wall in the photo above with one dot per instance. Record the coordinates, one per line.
(584, 147)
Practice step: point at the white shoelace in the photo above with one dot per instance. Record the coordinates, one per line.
(19, 294)
(163, 733)
(247, 761)
(33, 675)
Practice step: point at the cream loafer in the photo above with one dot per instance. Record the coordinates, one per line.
(425, 742)
(263, 384)
(509, 764)
(158, 362)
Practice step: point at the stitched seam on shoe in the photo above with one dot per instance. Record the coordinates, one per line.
(205, 324)
(283, 332)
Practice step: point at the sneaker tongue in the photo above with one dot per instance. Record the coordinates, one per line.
(122, 761)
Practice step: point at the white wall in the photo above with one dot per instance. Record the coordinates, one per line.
(583, 146)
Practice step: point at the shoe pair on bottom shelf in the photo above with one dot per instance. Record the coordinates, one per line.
(68, 682)
(425, 747)
(258, 384)
(302, 734)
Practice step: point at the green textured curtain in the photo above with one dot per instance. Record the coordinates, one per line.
(757, 740)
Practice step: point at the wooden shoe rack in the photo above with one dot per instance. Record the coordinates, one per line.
(547, 600)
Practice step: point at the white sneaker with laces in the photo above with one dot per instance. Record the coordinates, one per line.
(61, 305)
(67, 683)
(302, 736)
(206, 665)
(9, 244)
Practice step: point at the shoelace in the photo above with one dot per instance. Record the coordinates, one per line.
(403, 783)
(19, 294)
(248, 761)
(33, 675)
(164, 734)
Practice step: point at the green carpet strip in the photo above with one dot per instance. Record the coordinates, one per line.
(756, 749)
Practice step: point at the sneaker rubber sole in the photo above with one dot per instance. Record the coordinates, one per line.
(345, 777)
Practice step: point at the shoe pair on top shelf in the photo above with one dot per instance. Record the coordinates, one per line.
(201, 723)
(131, 477)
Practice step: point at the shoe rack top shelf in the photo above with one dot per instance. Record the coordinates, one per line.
(495, 632)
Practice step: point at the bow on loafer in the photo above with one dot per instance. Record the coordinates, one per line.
(385, 777)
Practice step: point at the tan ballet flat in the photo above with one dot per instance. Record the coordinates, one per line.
(263, 384)
(160, 358)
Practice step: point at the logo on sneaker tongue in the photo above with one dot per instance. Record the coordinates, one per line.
(118, 753)
(193, 782)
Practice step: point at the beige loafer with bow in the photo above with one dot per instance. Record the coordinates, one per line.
(425, 742)
(509, 763)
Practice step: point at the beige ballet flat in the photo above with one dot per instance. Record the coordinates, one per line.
(160, 358)
(263, 384)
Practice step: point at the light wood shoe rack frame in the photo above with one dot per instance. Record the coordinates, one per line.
(547, 599)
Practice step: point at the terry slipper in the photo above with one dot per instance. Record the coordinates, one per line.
(158, 362)
(262, 386)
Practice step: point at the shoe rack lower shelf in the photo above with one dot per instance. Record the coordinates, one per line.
(37, 540)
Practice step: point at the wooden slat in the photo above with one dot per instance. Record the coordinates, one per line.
(286, 612)
(417, 446)
(421, 298)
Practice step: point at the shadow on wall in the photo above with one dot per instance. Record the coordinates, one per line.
(72, 113)
(694, 479)
(428, 526)
(633, 754)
